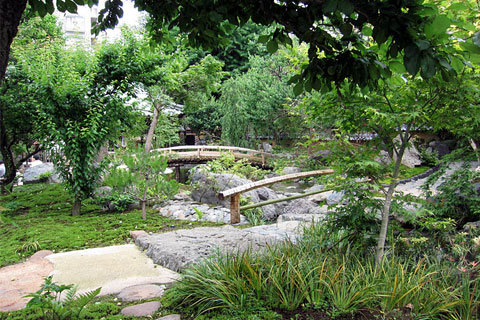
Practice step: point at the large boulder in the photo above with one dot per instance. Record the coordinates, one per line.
(411, 158)
(302, 206)
(207, 185)
(44, 172)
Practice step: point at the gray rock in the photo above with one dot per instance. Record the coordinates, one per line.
(32, 174)
(302, 217)
(104, 191)
(302, 206)
(471, 226)
(411, 157)
(171, 317)
(267, 147)
(383, 158)
(317, 187)
(335, 197)
(141, 292)
(178, 249)
(142, 310)
(290, 170)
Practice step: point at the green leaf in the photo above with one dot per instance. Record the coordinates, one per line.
(329, 6)
(422, 44)
(379, 35)
(438, 26)
(470, 47)
(444, 63)
(71, 6)
(346, 29)
(458, 6)
(263, 38)
(412, 64)
(298, 89)
(346, 6)
(397, 67)
(428, 67)
(366, 30)
(272, 46)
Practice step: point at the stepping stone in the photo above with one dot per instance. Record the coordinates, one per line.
(137, 233)
(170, 317)
(20, 279)
(142, 310)
(141, 292)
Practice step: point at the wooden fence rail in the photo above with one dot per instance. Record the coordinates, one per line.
(234, 193)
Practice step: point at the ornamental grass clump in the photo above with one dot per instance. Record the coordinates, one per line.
(329, 275)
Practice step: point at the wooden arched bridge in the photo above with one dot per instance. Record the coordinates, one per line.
(180, 155)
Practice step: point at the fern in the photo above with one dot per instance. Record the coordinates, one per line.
(49, 300)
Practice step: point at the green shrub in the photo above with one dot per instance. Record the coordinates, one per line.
(226, 163)
(116, 201)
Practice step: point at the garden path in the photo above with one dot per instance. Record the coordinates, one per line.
(119, 268)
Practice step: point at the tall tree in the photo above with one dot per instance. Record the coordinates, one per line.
(77, 115)
(337, 32)
(18, 116)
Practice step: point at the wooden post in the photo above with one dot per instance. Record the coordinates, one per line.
(235, 209)
(177, 173)
(263, 159)
(198, 153)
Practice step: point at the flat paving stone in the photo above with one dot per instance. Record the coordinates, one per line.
(142, 310)
(112, 268)
(171, 317)
(23, 278)
(141, 292)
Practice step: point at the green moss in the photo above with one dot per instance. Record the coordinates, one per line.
(36, 217)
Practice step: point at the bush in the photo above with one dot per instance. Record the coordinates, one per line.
(116, 201)
(226, 163)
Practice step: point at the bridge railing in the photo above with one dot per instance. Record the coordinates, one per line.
(215, 151)
(235, 193)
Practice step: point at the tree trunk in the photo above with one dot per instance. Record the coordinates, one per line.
(388, 201)
(8, 159)
(144, 199)
(10, 15)
(153, 124)
(77, 204)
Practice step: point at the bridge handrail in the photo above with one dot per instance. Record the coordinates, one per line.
(213, 148)
(234, 193)
(265, 182)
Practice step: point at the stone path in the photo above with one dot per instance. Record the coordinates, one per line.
(126, 271)
(414, 187)
(112, 268)
(20, 279)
